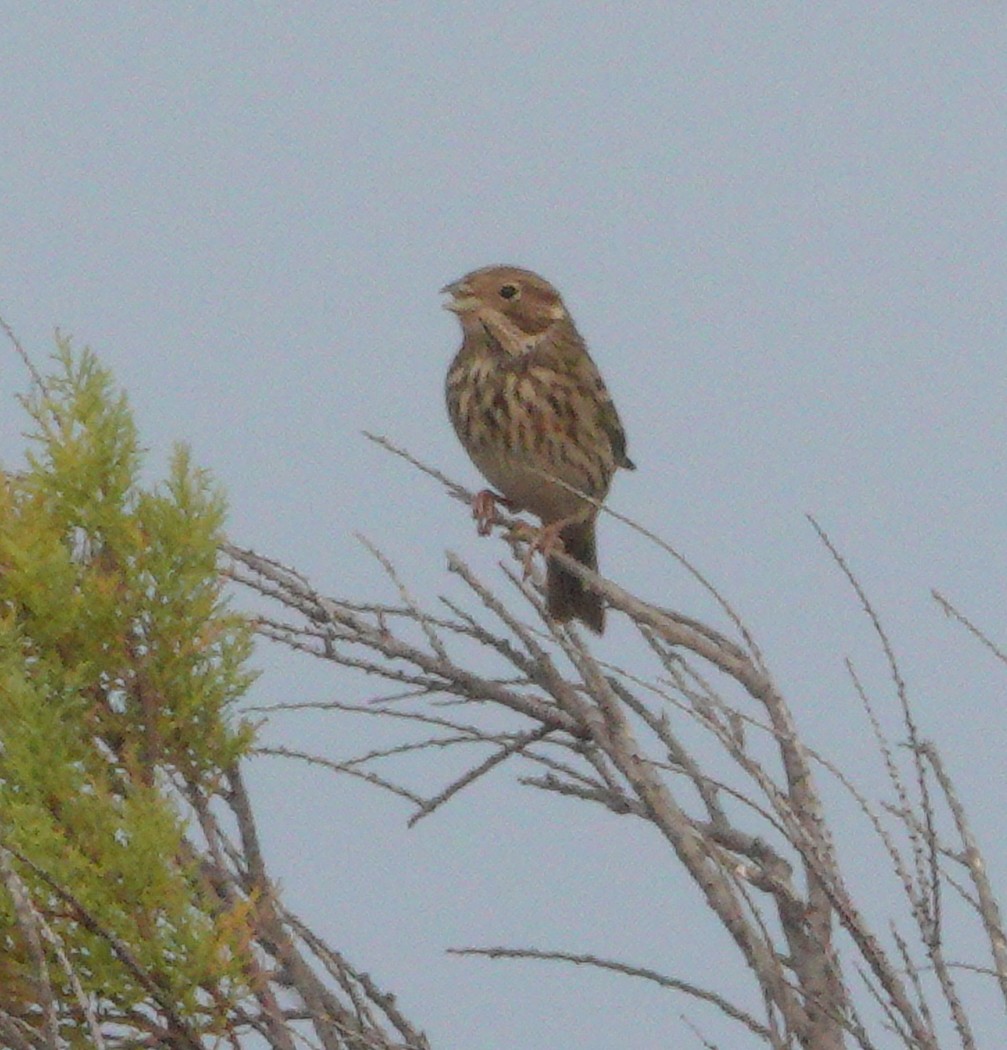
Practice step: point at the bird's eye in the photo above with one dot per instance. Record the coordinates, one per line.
(509, 291)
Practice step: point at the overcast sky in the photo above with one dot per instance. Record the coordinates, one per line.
(780, 228)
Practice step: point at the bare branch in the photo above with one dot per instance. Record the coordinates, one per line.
(728, 1008)
(988, 907)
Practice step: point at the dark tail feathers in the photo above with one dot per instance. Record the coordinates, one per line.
(567, 597)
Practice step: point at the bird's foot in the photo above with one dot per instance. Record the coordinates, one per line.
(484, 509)
(546, 541)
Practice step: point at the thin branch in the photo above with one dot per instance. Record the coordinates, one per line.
(951, 611)
(988, 907)
(22, 353)
(29, 922)
(342, 767)
(514, 747)
(727, 1007)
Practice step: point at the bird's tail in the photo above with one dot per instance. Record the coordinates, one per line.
(567, 597)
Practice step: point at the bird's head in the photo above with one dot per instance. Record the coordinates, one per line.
(516, 307)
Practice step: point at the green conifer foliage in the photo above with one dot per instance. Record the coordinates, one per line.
(120, 665)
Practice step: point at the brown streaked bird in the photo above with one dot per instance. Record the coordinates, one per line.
(528, 403)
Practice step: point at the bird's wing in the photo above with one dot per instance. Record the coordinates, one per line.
(612, 425)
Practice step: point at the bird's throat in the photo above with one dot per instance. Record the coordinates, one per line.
(504, 337)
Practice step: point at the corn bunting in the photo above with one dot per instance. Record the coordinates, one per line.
(530, 407)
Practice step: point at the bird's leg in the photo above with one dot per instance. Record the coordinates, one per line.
(484, 509)
(547, 540)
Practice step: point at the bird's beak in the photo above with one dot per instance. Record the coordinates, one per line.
(459, 297)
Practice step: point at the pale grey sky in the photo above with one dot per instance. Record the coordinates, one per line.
(781, 229)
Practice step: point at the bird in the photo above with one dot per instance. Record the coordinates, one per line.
(530, 407)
